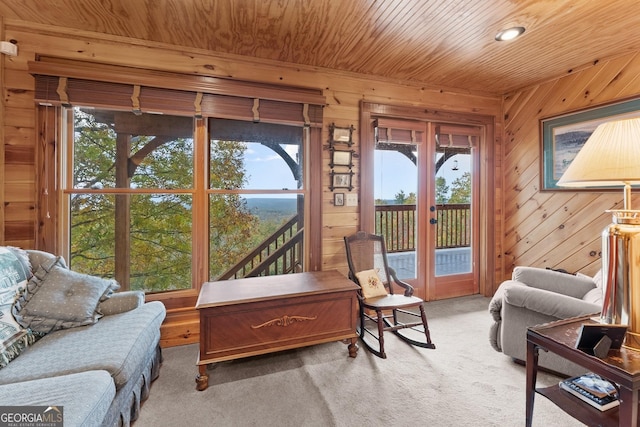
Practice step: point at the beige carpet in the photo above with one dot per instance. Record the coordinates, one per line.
(463, 382)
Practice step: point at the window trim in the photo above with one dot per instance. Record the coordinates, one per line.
(50, 213)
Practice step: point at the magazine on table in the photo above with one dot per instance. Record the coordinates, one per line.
(592, 389)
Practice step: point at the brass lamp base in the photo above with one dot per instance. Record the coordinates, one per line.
(632, 340)
(621, 274)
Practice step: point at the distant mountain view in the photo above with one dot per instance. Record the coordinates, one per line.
(271, 208)
(387, 202)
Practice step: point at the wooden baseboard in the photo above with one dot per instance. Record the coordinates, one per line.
(180, 327)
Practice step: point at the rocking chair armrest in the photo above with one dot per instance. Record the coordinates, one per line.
(408, 289)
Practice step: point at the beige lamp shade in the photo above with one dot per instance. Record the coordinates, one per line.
(610, 157)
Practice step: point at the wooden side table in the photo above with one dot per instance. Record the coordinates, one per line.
(252, 316)
(620, 366)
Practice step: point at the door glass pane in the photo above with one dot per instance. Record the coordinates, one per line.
(395, 192)
(453, 207)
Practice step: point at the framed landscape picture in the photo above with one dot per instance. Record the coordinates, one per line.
(563, 137)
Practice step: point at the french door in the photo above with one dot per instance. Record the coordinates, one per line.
(452, 245)
(425, 196)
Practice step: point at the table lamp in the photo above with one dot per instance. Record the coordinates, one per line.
(611, 158)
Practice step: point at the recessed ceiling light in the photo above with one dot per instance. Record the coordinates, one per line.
(509, 33)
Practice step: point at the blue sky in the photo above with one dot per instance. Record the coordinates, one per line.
(267, 170)
(394, 172)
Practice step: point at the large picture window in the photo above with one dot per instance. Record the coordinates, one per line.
(129, 197)
(168, 181)
(256, 201)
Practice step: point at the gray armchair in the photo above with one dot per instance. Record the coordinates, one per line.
(534, 296)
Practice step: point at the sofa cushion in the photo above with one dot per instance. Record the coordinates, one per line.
(117, 344)
(84, 397)
(58, 298)
(37, 258)
(14, 272)
(547, 303)
(594, 296)
(567, 284)
(23, 257)
(597, 279)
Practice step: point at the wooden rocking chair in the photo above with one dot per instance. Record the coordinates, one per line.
(367, 252)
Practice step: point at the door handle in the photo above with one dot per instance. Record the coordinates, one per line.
(433, 221)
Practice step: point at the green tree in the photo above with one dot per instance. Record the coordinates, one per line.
(442, 190)
(461, 189)
(232, 230)
(160, 228)
(411, 199)
(402, 199)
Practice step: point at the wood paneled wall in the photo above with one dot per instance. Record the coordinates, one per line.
(343, 92)
(2, 128)
(558, 229)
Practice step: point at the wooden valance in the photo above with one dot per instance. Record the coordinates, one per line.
(66, 83)
(457, 136)
(399, 131)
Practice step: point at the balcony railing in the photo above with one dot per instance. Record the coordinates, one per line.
(280, 253)
(397, 224)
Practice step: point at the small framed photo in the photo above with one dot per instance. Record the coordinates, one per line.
(338, 199)
(341, 134)
(591, 338)
(341, 158)
(341, 180)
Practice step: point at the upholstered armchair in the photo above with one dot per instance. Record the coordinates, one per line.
(534, 296)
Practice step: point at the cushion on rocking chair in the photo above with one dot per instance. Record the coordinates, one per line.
(371, 284)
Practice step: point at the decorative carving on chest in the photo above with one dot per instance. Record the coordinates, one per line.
(284, 321)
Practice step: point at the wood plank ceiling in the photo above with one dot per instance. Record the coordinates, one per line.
(437, 43)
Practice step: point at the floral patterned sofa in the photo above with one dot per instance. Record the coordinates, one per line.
(70, 341)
